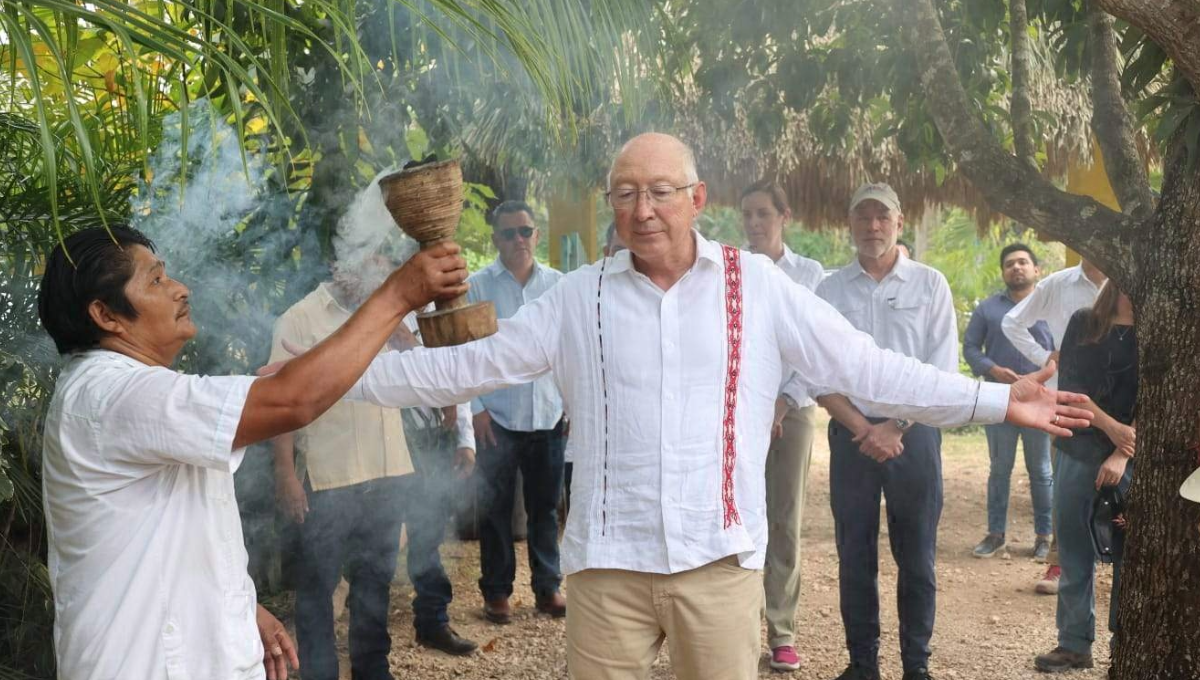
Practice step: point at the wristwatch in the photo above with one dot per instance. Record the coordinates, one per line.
(904, 425)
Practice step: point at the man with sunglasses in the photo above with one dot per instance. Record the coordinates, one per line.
(520, 427)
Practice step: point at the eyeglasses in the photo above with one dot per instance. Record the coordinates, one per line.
(627, 197)
(511, 233)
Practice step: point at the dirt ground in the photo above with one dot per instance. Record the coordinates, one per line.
(990, 623)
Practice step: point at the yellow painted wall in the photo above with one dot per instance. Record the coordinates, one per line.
(1090, 180)
(573, 210)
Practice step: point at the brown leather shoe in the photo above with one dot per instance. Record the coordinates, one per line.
(498, 610)
(1061, 660)
(554, 604)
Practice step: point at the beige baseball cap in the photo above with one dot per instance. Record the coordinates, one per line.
(1191, 487)
(876, 192)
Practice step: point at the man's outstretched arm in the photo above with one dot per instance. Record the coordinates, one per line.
(827, 351)
(307, 386)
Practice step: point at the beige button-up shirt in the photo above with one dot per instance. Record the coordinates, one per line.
(353, 442)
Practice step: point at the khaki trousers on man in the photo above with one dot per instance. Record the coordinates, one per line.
(618, 620)
(787, 477)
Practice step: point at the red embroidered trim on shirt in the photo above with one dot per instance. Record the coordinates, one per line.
(733, 329)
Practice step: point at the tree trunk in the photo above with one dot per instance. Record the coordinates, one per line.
(1159, 615)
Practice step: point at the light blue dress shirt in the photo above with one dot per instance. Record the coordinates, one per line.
(532, 406)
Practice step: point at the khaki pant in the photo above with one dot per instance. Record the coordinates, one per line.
(618, 620)
(787, 478)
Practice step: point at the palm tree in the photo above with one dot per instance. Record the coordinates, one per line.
(312, 86)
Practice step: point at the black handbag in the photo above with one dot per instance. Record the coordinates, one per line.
(1107, 507)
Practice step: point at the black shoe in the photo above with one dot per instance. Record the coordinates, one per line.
(1061, 660)
(989, 546)
(919, 674)
(857, 672)
(444, 639)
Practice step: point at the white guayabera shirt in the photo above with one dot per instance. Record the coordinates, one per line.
(643, 374)
(1053, 300)
(146, 554)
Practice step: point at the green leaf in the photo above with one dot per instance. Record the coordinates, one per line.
(417, 142)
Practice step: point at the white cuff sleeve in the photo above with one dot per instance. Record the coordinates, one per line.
(991, 403)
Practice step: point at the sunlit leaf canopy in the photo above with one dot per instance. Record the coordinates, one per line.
(823, 95)
(91, 79)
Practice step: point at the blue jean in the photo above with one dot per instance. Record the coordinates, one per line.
(355, 530)
(1002, 450)
(539, 456)
(426, 512)
(912, 483)
(1075, 491)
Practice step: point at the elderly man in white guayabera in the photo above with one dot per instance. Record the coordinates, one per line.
(669, 356)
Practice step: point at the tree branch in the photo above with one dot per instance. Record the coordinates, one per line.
(1010, 187)
(1111, 119)
(1020, 109)
(1173, 24)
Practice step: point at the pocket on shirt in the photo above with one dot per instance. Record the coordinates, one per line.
(241, 628)
(910, 311)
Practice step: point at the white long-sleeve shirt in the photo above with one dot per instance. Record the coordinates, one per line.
(1054, 300)
(643, 371)
(910, 311)
(808, 273)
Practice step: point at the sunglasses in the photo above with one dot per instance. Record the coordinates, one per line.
(511, 233)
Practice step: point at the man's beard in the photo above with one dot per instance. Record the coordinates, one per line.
(1018, 287)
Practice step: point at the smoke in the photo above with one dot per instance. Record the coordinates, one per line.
(368, 245)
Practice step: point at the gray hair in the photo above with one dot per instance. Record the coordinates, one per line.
(691, 175)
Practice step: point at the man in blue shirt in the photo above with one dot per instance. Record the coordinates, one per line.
(518, 428)
(995, 359)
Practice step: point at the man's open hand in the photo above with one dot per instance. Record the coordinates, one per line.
(1032, 404)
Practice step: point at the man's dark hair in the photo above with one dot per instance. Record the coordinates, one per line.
(507, 208)
(98, 267)
(911, 250)
(1015, 248)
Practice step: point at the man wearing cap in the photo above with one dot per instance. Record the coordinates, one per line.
(906, 307)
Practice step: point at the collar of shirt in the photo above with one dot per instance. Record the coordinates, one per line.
(329, 300)
(497, 269)
(902, 269)
(788, 257)
(705, 250)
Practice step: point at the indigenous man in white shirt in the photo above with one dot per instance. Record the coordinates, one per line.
(356, 488)
(765, 212)
(520, 427)
(907, 308)
(146, 556)
(1053, 301)
(670, 356)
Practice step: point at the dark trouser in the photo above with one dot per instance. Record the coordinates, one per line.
(912, 483)
(356, 528)
(539, 456)
(427, 508)
(1075, 491)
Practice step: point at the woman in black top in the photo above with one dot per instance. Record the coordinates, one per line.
(1099, 359)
